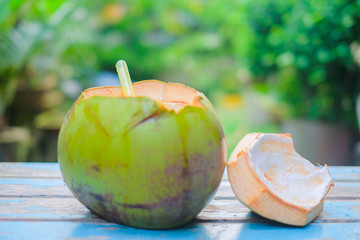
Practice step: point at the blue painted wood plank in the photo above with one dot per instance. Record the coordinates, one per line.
(344, 170)
(341, 189)
(58, 189)
(32, 182)
(26, 170)
(45, 207)
(218, 210)
(31, 165)
(340, 173)
(60, 182)
(232, 231)
(345, 173)
(49, 187)
(41, 209)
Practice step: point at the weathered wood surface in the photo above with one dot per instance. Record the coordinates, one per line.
(36, 204)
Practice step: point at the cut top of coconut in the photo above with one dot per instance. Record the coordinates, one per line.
(174, 96)
(286, 174)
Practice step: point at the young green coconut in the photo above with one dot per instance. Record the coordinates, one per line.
(149, 155)
(268, 176)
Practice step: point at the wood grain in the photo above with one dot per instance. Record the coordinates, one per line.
(34, 197)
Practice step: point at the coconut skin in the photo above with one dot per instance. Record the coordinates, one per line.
(133, 161)
(251, 190)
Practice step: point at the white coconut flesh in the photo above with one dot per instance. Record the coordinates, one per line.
(277, 182)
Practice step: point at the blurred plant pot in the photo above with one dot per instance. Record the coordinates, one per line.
(47, 127)
(320, 142)
(357, 147)
(14, 144)
(46, 145)
(30, 102)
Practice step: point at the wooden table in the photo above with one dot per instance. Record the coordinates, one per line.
(36, 204)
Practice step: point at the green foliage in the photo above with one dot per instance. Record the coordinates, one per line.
(39, 38)
(193, 42)
(302, 50)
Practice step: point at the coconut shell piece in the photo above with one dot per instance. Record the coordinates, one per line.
(268, 176)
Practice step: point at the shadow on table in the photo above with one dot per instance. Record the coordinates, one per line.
(255, 228)
(197, 229)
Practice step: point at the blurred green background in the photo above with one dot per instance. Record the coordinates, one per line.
(268, 66)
